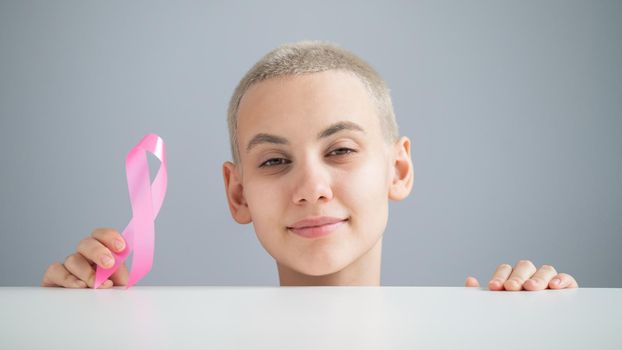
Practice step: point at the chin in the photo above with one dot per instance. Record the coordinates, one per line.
(323, 265)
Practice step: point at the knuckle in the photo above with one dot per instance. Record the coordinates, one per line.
(70, 260)
(92, 247)
(526, 262)
(52, 268)
(504, 266)
(56, 267)
(84, 242)
(98, 230)
(105, 232)
(548, 268)
(54, 275)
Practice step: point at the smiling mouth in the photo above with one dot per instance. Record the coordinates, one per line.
(316, 227)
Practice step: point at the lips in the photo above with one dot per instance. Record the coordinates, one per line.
(316, 226)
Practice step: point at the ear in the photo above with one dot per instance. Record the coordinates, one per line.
(235, 193)
(403, 174)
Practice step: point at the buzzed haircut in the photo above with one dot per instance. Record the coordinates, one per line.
(307, 57)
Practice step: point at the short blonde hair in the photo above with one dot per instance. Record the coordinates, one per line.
(312, 57)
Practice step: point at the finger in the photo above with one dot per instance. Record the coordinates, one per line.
(471, 282)
(501, 274)
(95, 252)
(540, 280)
(107, 284)
(110, 238)
(565, 281)
(119, 277)
(81, 268)
(57, 276)
(523, 270)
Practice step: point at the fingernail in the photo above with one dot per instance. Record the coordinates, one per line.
(107, 260)
(119, 244)
(557, 281)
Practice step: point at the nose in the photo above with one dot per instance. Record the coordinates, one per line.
(313, 184)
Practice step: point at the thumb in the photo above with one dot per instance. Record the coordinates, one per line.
(471, 282)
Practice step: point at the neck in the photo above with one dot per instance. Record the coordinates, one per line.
(365, 271)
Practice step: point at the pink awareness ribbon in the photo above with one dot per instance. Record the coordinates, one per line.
(146, 199)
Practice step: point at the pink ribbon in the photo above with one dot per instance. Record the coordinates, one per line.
(146, 199)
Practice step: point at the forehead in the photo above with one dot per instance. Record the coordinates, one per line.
(305, 104)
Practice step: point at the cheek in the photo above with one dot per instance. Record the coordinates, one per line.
(265, 205)
(364, 191)
(267, 202)
(367, 185)
(264, 200)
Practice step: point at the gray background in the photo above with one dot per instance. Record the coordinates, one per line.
(514, 110)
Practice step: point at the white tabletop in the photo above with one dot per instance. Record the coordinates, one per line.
(309, 318)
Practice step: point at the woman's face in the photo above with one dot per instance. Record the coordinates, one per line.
(315, 169)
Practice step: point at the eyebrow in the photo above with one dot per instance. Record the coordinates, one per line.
(279, 140)
(266, 138)
(339, 126)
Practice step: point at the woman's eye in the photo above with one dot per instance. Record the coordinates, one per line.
(341, 151)
(275, 162)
